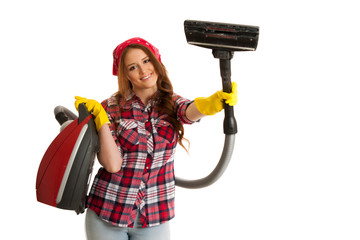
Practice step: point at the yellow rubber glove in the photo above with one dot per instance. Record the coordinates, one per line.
(96, 109)
(215, 103)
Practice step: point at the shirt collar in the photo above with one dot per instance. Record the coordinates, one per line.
(130, 99)
(125, 103)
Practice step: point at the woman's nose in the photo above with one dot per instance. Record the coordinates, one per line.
(141, 69)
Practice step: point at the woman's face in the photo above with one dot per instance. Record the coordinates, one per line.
(140, 71)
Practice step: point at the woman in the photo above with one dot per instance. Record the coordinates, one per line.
(139, 126)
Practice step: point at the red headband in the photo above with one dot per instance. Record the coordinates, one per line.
(120, 48)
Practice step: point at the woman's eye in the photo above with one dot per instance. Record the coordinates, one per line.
(147, 60)
(132, 68)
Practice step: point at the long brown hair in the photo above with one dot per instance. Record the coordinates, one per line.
(164, 97)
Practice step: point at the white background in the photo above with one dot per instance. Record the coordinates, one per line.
(295, 170)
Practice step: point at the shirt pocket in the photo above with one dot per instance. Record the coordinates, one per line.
(128, 135)
(165, 133)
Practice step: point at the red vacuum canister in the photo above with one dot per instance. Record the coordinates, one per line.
(65, 169)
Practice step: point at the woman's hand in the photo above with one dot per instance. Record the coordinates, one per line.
(96, 109)
(215, 103)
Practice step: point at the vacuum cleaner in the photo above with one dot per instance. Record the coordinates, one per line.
(223, 39)
(65, 170)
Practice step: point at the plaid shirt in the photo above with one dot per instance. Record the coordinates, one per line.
(146, 182)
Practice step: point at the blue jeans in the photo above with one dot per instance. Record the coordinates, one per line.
(97, 229)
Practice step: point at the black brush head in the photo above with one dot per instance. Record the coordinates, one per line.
(221, 36)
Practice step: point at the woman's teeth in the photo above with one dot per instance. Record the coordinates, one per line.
(146, 77)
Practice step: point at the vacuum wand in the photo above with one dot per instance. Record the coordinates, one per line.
(230, 126)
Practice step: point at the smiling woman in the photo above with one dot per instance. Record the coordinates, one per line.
(133, 194)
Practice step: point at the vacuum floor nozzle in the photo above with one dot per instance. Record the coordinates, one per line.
(224, 36)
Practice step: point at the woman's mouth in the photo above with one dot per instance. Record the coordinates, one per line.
(146, 77)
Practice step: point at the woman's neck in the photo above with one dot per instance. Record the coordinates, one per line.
(145, 94)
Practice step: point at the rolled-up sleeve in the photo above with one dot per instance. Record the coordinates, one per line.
(181, 104)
